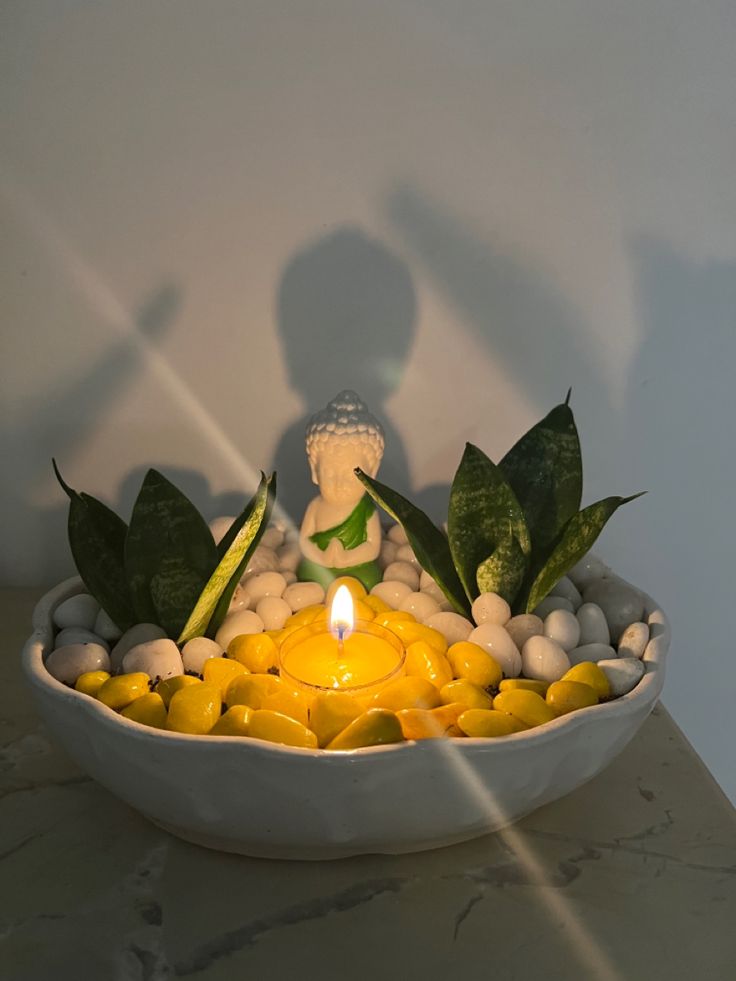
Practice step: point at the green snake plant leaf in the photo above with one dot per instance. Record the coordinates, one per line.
(97, 540)
(575, 540)
(430, 545)
(169, 554)
(236, 548)
(485, 523)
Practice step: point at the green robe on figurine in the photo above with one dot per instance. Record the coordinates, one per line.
(341, 530)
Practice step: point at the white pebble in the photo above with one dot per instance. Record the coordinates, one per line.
(590, 567)
(593, 625)
(550, 603)
(397, 535)
(568, 590)
(264, 584)
(405, 553)
(274, 611)
(387, 554)
(544, 660)
(623, 673)
(156, 658)
(239, 600)
(138, 634)
(591, 652)
(272, 537)
(451, 625)
(520, 628)
(402, 572)
(288, 557)
(78, 635)
(301, 594)
(620, 603)
(427, 582)
(562, 627)
(290, 577)
(493, 638)
(105, 628)
(198, 650)
(420, 605)
(634, 640)
(77, 611)
(221, 526)
(262, 560)
(235, 624)
(491, 608)
(391, 591)
(67, 663)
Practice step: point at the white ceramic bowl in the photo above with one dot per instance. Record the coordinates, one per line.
(262, 799)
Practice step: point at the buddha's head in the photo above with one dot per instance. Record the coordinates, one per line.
(343, 436)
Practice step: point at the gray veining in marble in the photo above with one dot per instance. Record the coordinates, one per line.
(631, 877)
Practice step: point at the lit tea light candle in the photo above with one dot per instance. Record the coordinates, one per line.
(358, 657)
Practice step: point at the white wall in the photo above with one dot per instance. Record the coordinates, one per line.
(510, 197)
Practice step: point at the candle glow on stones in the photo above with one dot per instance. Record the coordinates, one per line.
(355, 656)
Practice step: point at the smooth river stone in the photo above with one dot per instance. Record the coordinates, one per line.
(274, 611)
(138, 634)
(593, 625)
(391, 591)
(621, 604)
(591, 652)
(634, 640)
(301, 594)
(235, 624)
(588, 569)
(68, 662)
(562, 627)
(491, 608)
(198, 650)
(623, 673)
(239, 600)
(78, 635)
(568, 590)
(550, 603)
(77, 611)
(263, 584)
(523, 626)
(156, 658)
(397, 535)
(451, 625)
(543, 659)
(426, 581)
(288, 557)
(420, 605)
(402, 572)
(262, 560)
(387, 554)
(405, 553)
(493, 638)
(272, 537)
(105, 628)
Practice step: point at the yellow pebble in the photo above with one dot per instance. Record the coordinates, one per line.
(429, 723)
(251, 689)
(406, 693)
(235, 722)
(257, 652)
(471, 662)
(90, 682)
(168, 688)
(305, 616)
(362, 611)
(467, 694)
(377, 604)
(277, 728)
(394, 616)
(526, 706)
(526, 684)
(221, 671)
(356, 589)
(589, 673)
(123, 689)
(194, 709)
(567, 696)
(149, 710)
(408, 633)
(484, 723)
(330, 713)
(423, 661)
(375, 727)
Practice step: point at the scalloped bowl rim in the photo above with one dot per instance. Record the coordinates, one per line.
(646, 692)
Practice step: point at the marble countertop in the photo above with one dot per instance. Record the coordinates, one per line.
(631, 877)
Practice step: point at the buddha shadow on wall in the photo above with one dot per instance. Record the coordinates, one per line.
(346, 317)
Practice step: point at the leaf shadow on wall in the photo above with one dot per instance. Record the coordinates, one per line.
(346, 311)
(529, 328)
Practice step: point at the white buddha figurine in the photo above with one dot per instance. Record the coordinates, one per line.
(341, 530)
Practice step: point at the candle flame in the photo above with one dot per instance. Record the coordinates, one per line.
(342, 616)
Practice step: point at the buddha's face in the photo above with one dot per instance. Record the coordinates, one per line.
(333, 471)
